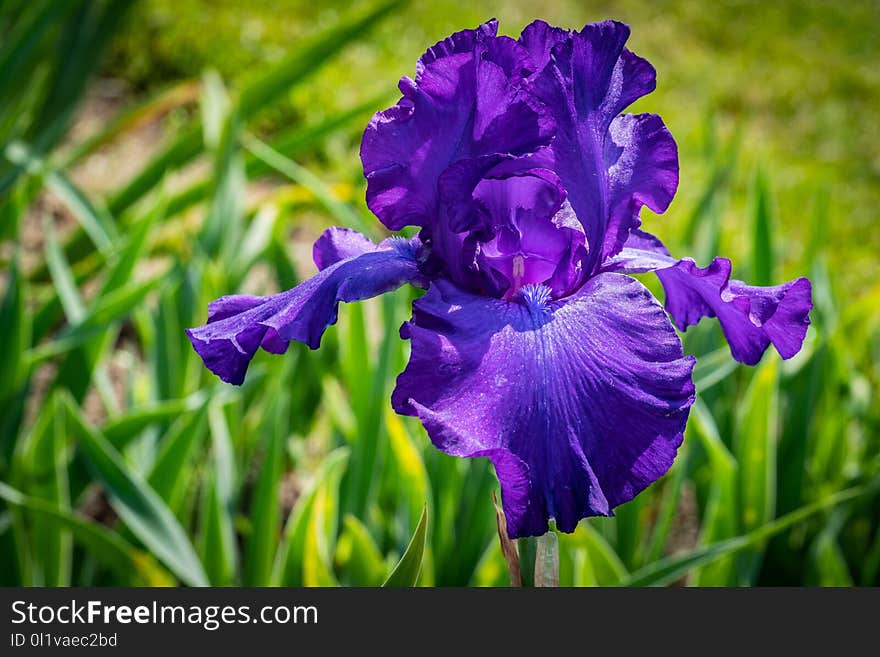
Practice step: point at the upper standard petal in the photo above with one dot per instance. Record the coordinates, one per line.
(589, 78)
(467, 102)
(642, 161)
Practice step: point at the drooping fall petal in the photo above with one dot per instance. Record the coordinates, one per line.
(580, 403)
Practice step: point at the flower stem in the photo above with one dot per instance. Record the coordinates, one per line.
(547, 560)
(533, 560)
(528, 550)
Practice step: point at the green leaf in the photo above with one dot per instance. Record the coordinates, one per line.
(491, 570)
(215, 108)
(669, 505)
(265, 509)
(406, 572)
(320, 543)
(341, 212)
(84, 37)
(167, 355)
(223, 458)
(172, 469)
(289, 561)
(56, 52)
(599, 564)
(527, 547)
(62, 277)
(15, 329)
(138, 505)
(221, 230)
(755, 451)
(409, 469)
(219, 548)
(124, 259)
(40, 468)
(132, 250)
(122, 429)
(307, 58)
(829, 562)
(871, 567)
(96, 322)
(94, 220)
(360, 482)
(723, 166)
(762, 234)
(133, 117)
(713, 368)
(357, 556)
(674, 568)
(720, 519)
(631, 525)
(336, 405)
(19, 51)
(106, 546)
(255, 241)
(293, 142)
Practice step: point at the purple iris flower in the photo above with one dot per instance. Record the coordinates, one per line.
(532, 346)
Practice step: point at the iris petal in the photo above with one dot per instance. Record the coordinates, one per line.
(539, 38)
(580, 403)
(609, 166)
(751, 317)
(238, 325)
(337, 244)
(642, 160)
(466, 103)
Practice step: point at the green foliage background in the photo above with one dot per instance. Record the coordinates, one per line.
(159, 154)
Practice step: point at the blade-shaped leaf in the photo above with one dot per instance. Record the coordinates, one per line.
(406, 572)
(674, 568)
(15, 329)
(755, 451)
(762, 234)
(219, 548)
(289, 561)
(357, 556)
(265, 511)
(138, 505)
(107, 546)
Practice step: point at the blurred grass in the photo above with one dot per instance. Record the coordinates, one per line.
(123, 461)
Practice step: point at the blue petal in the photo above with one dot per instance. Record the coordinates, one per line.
(580, 403)
(466, 103)
(751, 317)
(610, 165)
(238, 325)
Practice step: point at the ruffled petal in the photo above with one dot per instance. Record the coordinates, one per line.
(466, 102)
(580, 403)
(238, 325)
(588, 80)
(539, 39)
(236, 304)
(751, 317)
(457, 43)
(641, 253)
(642, 161)
(337, 244)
